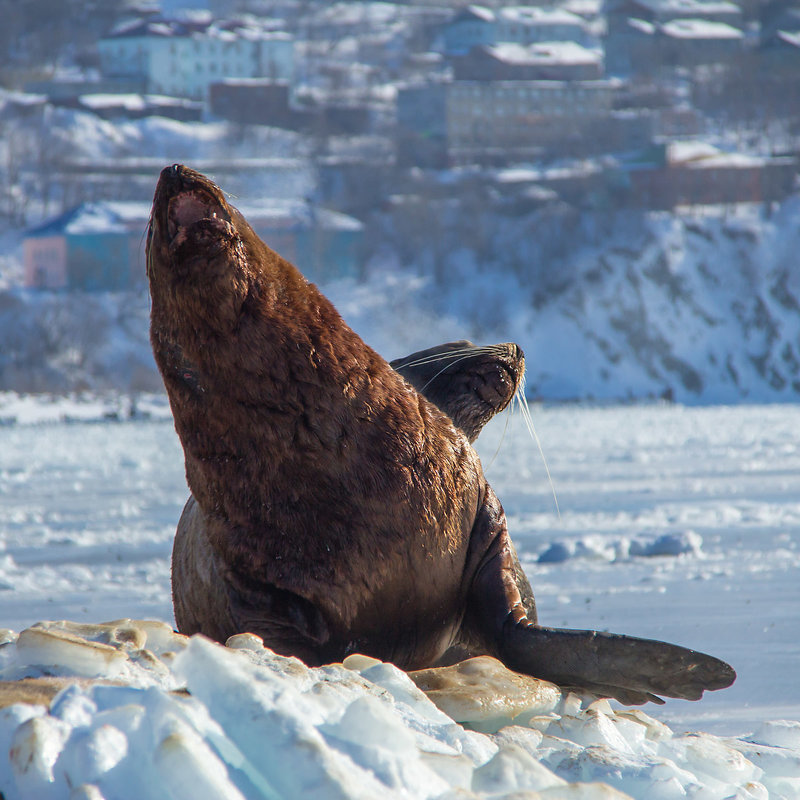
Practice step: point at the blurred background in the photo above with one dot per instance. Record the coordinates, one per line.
(613, 185)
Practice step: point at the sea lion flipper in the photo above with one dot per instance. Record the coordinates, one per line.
(628, 668)
(209, 599)
(290, 624)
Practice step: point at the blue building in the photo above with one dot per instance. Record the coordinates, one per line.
(322, 244)
(91, 247)
(473, 26)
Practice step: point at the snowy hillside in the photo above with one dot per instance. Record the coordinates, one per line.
(700, 307)
(705, 309)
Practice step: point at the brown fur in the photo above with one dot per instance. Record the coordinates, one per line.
(284, 413)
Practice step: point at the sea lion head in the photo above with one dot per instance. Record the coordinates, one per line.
(468, 382)
(198, 262)
(212, 280)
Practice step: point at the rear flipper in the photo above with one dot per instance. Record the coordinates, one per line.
(501, 620)
(627, 668)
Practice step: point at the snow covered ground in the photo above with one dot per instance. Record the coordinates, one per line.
(675, 523)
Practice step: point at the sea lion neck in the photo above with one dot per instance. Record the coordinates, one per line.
(254, 358)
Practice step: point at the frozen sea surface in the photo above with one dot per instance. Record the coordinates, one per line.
(676, 523)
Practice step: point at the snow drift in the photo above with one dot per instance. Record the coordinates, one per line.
(257, 725)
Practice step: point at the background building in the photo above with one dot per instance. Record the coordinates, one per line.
(183, 59)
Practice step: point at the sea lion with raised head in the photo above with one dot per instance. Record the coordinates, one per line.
(340, 510)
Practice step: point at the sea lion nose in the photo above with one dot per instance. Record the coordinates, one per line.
(172, 177)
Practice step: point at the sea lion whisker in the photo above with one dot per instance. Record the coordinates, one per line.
(525, 410)
(505, 430)
(432, 359)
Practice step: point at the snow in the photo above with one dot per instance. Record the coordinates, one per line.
(534, 15)
(676, 523)
(703, 155)
(545, 53)
(790, 37)
(700, 29)
(480, 12)
(690, 8)
(279, 211)
(131, 102)
(255, 724)
(642, 25)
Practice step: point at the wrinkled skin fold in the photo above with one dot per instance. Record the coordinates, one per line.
(336, 509)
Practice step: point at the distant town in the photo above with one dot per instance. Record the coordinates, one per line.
(402, 113)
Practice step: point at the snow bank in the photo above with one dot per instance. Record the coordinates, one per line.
(164, 716)
(16, 409)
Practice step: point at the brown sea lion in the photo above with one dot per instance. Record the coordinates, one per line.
(341, 511)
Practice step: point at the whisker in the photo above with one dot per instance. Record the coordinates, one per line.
(503, 435)
(433, 358)
(526, 415)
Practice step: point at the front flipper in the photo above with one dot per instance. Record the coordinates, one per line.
(627, 668)
(288, 623)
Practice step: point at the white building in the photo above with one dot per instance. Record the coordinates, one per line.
(527, 25)
(181, 59)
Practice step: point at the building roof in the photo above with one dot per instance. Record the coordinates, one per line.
(534, 15)
(691, 8)
(700, 29)
(282, 213)
(792, 38)
(544, 53)
(584, 8)
(97, 218)
(641, 25)
(134, 102)
(479, 13)
(702, 155)
(489, 87)
(169, 28)
(122, 217)
(143, 27)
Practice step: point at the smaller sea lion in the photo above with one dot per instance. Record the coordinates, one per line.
(469, 383)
